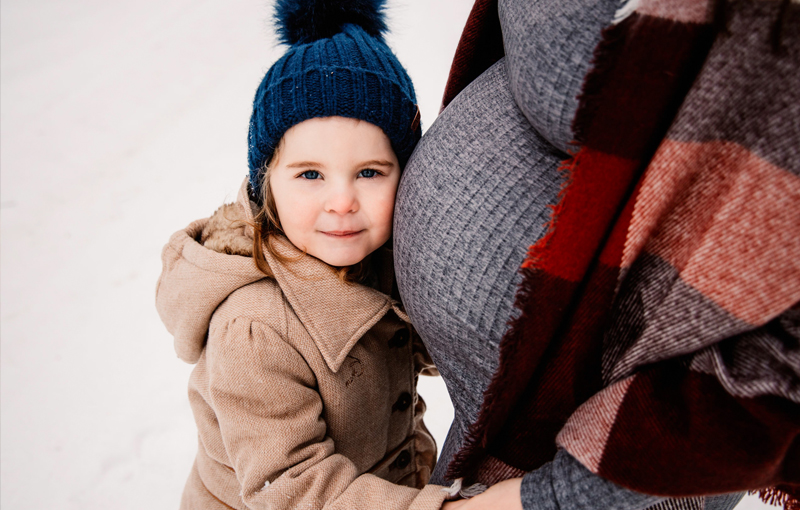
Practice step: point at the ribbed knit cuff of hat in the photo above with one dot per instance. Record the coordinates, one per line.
(565, 484)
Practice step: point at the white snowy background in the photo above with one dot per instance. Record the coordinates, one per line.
(121, 122)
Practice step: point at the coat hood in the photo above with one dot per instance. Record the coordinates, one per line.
(202, 265)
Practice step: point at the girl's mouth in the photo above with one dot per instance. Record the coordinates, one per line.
(342, 234)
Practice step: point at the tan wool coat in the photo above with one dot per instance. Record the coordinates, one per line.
(304, 390)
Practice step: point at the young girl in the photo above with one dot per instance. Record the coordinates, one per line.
(304, 390)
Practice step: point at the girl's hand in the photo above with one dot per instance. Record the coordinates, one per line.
(501, 496)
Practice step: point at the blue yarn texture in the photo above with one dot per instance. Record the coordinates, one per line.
(351, 73)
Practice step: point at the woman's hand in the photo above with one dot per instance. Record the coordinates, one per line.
(501, 496)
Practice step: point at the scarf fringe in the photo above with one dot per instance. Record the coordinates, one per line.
(786, 496)
(458, 491)
(566, 169)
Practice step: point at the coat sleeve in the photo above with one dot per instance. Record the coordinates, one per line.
(270, 418)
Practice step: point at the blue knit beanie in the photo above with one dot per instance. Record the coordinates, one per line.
(337, 64)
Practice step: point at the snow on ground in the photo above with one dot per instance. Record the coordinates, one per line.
(120, 123)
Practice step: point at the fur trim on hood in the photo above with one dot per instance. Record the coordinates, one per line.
(225, 232)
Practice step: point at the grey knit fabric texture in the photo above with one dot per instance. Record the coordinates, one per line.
(473, 197)
(549, 46)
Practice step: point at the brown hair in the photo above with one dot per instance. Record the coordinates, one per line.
(267, 225)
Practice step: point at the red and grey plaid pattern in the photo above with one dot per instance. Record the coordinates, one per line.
(658, 335)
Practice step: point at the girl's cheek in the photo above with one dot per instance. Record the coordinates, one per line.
(390, 200)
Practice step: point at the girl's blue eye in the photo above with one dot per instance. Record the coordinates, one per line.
(368, 173)
(310, 174)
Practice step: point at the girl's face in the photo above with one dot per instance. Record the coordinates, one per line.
(334, 185)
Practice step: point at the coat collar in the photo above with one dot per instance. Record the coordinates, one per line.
(335, 314)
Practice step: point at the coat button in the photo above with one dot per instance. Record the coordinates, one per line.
(403, 402)
(402, 461)
(400, 338)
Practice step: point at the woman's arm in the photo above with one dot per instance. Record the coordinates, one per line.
(562, 484)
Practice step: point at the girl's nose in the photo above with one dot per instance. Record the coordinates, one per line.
(341, 200)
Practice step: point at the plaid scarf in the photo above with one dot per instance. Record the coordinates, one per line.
(658, 331)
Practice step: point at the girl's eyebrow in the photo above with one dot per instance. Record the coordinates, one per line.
(304, 164)
(378, 162)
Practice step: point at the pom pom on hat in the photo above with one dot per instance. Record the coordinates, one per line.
(337, 64)
(305, 21)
